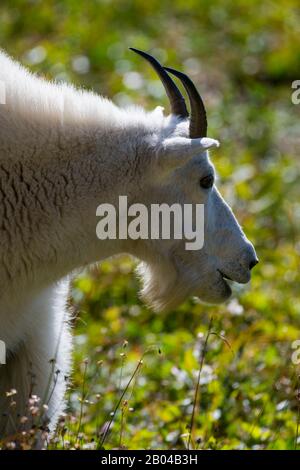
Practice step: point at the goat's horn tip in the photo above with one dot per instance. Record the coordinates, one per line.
(134, 50)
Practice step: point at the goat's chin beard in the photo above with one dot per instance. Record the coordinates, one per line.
(164, 289)
(161, 289)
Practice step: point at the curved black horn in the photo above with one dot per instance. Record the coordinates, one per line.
(198, 122)
(177, 102)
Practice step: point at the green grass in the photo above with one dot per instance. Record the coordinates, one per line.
(244, 56)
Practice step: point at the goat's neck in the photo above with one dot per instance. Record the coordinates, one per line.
(50, 194)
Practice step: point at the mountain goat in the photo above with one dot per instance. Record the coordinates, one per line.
(64, 151)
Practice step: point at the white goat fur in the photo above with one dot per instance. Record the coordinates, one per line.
(64, 151)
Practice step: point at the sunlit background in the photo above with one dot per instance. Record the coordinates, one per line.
(244, 57)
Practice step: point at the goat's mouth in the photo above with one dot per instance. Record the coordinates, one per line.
(240, 276)
(225, 276)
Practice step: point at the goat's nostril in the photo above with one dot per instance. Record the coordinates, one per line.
(253, 263)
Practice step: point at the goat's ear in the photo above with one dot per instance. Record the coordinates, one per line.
(176, 151)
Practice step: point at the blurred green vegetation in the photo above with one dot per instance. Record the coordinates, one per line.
(243, 56)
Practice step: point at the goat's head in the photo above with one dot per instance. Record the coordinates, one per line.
(183, 173)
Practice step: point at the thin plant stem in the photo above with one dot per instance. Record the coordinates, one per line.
(119, 402)
(198, 382)
(82, 400)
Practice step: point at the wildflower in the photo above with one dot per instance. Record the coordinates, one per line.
(11, 445)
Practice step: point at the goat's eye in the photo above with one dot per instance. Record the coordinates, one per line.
(207, 181)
